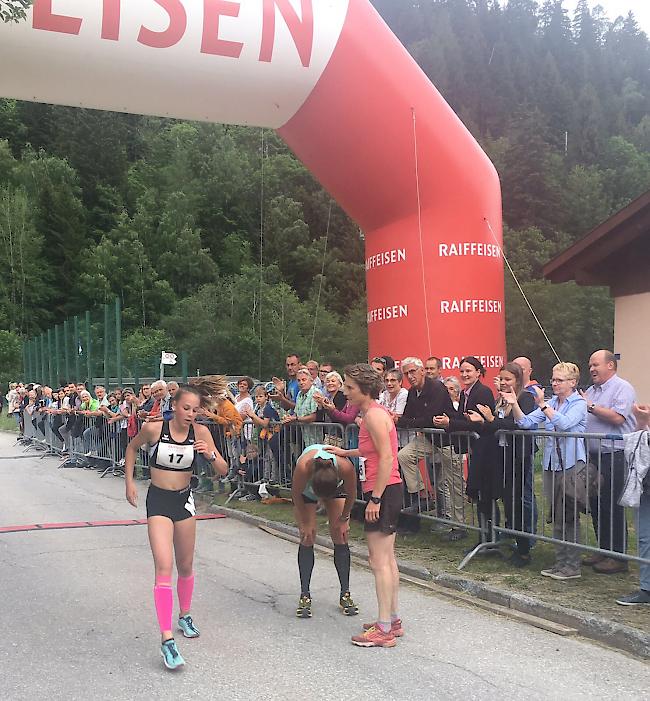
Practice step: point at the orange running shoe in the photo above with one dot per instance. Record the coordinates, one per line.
(395, 627)
(374, 637)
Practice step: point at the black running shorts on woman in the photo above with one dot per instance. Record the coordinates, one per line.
(389, 511)
(176, 505)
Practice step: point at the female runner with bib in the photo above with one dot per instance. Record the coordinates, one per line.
(382, 490)
(173, 447)
(330, 479)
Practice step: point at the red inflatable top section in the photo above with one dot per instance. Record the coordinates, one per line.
(349, 100)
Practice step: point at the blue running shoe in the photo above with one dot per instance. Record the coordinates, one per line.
(170, 654)
(186, 624)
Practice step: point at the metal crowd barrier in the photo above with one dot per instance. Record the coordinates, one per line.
(539, 505)
(84, 441)
(574, 506)
(519, 500)
(29, 437)
(37, 433)
(268, 456)
(91, 442)
(433, 465)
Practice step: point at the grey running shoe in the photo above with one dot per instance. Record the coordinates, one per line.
(639, 597)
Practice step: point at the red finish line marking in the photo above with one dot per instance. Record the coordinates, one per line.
(91, 524)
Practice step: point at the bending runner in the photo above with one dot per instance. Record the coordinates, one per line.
(173, 447)
(382, 489)
(321, 476)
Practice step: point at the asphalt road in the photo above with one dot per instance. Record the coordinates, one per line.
(79, 621)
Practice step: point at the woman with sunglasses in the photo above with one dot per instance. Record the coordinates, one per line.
(566, 475)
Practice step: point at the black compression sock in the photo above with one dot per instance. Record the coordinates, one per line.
(342, 564)
(305, 566)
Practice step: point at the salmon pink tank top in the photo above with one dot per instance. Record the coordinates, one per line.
(368, 451)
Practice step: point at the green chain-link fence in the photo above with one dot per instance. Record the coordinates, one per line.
(89, 348)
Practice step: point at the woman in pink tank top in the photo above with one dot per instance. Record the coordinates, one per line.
(382, 489)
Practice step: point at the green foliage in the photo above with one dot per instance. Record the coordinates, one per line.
(8, 163)
(142, 348)
(627, 171)
(14, 10)
(584, 200)
(10, 358)
(222, 323)
(530, 175)
(11, 126)
(527, 250)
(119, 266)
(577, 319)
(173, 244)
(59, 217)
(22, 293)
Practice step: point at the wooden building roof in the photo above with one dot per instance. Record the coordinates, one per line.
(615, 254)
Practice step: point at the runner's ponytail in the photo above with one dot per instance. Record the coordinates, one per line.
(325, 479)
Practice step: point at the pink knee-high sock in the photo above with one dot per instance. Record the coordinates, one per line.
(164, 601)
(184, 588)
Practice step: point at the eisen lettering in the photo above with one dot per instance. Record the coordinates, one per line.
(301, 27)
(396, 255)
(465, 306)
(174, 32)
(396, 311)
(212, 44)
(301, 30)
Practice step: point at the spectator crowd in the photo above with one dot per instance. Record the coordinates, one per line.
(467, 451)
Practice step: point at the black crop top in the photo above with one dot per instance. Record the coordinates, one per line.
(167, 454)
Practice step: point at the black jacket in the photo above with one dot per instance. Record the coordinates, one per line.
(485, 468)
(480, 394)
(433, 400)
(517, 449)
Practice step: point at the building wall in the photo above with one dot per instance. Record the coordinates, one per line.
(632, 341)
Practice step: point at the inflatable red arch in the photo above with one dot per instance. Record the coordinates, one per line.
(349, 100)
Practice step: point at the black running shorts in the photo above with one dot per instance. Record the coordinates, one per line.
(176, 505)
(389, 511)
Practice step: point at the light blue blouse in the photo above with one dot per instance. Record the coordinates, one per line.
(570, 417)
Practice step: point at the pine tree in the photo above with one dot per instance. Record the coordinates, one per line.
(26, 274)
(530, 174)
(59, 217)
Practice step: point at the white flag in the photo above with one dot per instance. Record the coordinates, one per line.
(168, 358)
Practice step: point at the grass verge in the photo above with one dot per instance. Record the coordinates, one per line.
(8, 423)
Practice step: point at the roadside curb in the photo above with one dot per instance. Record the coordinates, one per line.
(587, 625)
